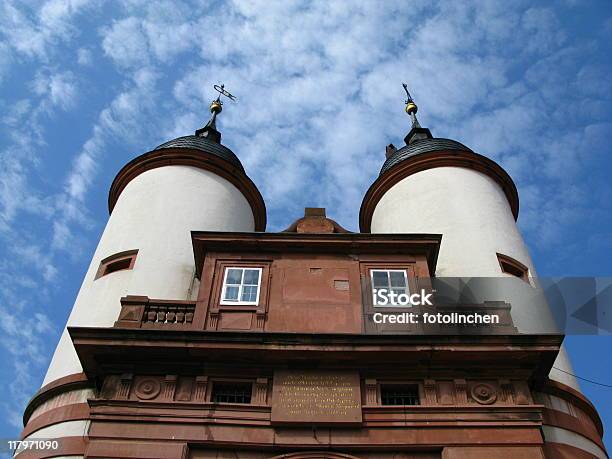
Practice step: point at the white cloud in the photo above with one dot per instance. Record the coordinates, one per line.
(123, 119)
(542, 29)
(84, 56)
(16, 112)
(5, 60)
(161, 34)
(60, 88)
(34, 35)
(22, 338)
(126, 43)
(55, 15)
(20, 154)
(21, 32)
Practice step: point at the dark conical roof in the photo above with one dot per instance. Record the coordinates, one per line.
(421, 146)
(205, 145)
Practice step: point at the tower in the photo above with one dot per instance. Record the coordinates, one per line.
(439, 185)
(154, 202)
(197, 334)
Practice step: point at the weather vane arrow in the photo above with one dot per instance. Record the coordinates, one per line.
(222, 91)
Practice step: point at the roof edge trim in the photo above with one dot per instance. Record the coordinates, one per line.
(194, 158)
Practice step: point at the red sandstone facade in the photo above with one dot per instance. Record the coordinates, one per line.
(154, 372)
(298, 368)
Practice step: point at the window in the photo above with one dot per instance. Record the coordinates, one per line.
(118, 262)
(399, 394)
(390, 279)
(118, 265)
(241, 286)
(513, 267)
(231, 392)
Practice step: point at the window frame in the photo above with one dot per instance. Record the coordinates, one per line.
(225, 302)
(390, 270)
(507, 264)
(229, 382)
(387, 383)
(416, 392)
(108, 262)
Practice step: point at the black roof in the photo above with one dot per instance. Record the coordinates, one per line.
(203, 144)
(418, 147)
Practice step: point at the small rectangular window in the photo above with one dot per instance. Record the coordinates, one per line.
(399, 394)
(118, 262)
(394, 280)
(118, 265)
(241, 286)
(513, 267)
(231, 392)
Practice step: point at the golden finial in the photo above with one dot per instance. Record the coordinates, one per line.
(216, 106)
(411, 107)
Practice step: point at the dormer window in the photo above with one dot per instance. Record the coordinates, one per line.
(241, 286)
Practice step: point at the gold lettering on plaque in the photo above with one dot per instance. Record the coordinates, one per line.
(316, 397)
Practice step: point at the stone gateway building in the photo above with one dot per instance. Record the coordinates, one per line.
(197, 334)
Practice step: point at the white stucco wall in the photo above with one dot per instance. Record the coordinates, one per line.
(61, 429)
(155, 214)
(56, 432)
(468, 208)
(564, 436)
(473, 215)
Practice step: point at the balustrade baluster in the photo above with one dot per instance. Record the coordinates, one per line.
(168, 314)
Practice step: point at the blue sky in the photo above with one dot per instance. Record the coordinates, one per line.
(87, 85)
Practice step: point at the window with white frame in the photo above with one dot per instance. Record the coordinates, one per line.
(241, 286)
(394, 280)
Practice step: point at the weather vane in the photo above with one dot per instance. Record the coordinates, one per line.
(216, 106)
(222, 91)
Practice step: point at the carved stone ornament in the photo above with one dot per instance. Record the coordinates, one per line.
(147, 389)
(484, 394)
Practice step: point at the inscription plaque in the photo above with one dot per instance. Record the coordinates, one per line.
(316, 397)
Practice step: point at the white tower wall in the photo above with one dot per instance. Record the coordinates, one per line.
(472, 213)
(467, 207)
(155, 214)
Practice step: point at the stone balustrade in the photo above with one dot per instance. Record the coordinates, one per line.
(144, 312)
